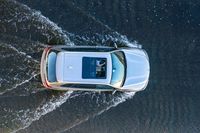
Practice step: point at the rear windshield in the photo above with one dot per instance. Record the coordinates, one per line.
(94, 68)
(51, 67)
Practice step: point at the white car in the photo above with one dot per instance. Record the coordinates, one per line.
(94, 68)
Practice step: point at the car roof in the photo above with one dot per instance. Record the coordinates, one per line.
(69, 67)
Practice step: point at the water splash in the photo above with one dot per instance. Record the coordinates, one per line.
(29, 117)
(25, 20)
(115, 100)
(20, 52)
(22, 21)
(105, 40)
(19, 68)
(19, 84)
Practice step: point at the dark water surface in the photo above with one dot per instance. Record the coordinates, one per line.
(169, 30)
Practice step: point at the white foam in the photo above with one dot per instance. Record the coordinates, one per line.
(117, 100)
(19, 84)
(113, 103)
(22, 53)
(46, 108)
(47, 23)
(133, 44)
(115, 37)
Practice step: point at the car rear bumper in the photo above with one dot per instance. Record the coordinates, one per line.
(43, 72)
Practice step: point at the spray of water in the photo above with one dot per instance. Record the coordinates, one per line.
(30, 116)
(19, 84)
(105, 40)
(113, 103)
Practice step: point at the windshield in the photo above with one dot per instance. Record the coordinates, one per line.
(118, 68)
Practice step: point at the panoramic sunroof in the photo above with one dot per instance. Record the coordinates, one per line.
(94, 68)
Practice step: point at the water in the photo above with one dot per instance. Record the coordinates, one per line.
(167, 30)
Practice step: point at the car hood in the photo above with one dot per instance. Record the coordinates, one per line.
(137, 71)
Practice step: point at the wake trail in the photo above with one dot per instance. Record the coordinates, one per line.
(19, 84)
(21, 53)
(113, 36)
(44, 25)
(29, 117)
(113, 103)
(22, 17)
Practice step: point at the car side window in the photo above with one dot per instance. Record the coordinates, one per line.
(87, 86)
(104, 87)
(89, 49)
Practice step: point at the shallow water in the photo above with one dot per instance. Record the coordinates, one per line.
(167, 30)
